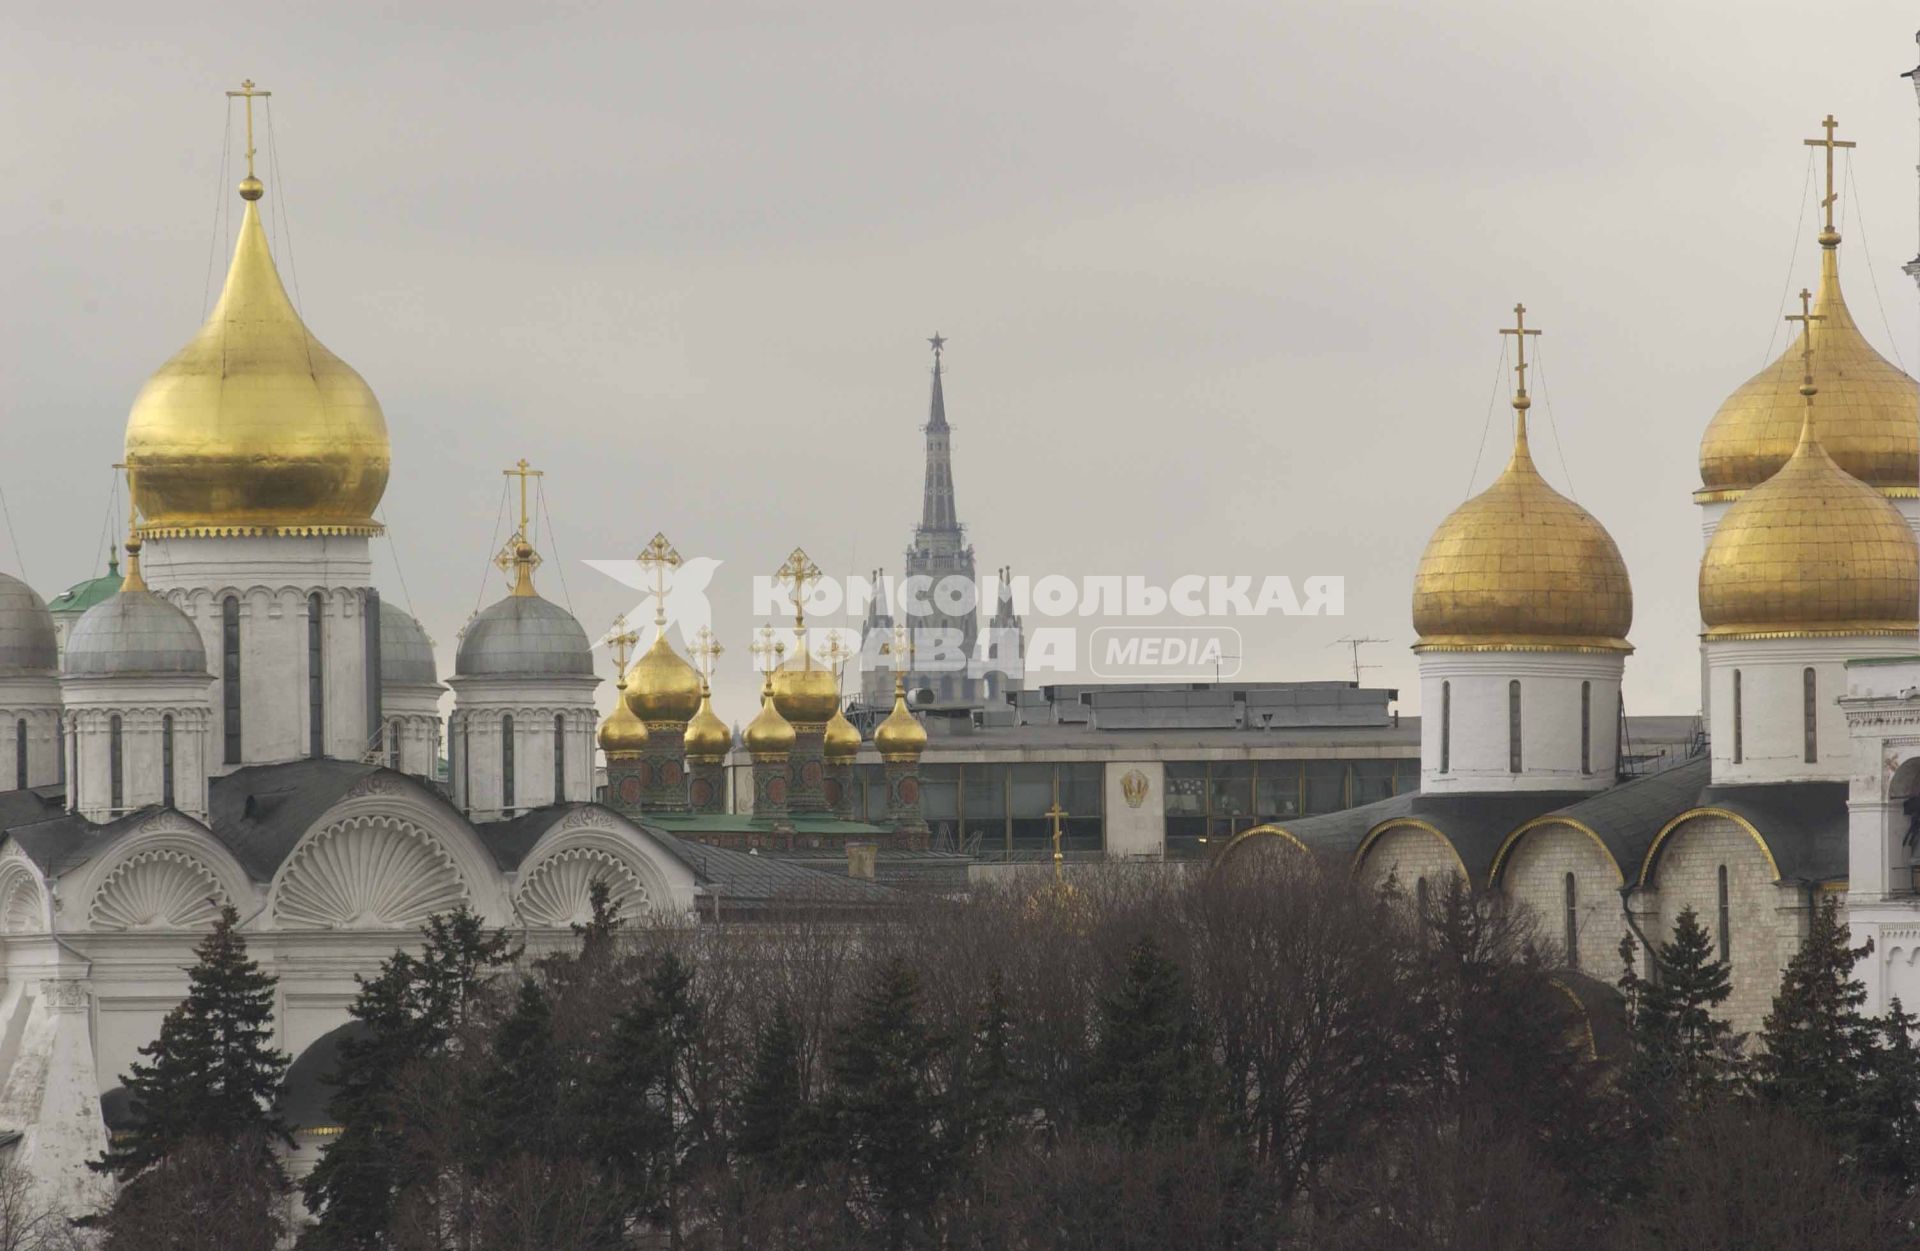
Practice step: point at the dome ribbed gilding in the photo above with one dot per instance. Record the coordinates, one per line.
(1812, 551)
(1869, 410)
(662, 688)
(1520, 566)
(254, 426)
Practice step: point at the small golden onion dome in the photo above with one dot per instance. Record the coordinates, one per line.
(254, 426)
(769, 734)
(805, 692)
(1812, 551)
(622, 733)
(842, 741)
(900, 736)
(707, 735)
(1869, 410)
(662, 688)
(1521, 567)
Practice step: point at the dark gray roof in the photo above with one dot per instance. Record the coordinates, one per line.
(737, 878)
(261, 811)
(511, 840)
(406, 655)
(306, 1092)
(1804, 824)
(69, 839)
(26, 630)
(135, 632)
(1627, 817)
(36, 803)
(523, 635)
(1475, 824)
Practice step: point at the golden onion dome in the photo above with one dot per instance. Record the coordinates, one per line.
(1812, 551)
(805, 692)
(1521, 567)
(900, 736)
(1869, 410)
(254, 426)
(841, 741)
(663, 689)
(707, 735)
(769, 734)
(622, 733)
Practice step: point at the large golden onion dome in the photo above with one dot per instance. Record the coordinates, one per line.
(254, 426)
(1521, 567)
(1869, 410)
(708, 737)
(841, 741)
(622, 733)
(769, 734)
(900, 736)
(1812, 551)
(807, 693)
(663, 689)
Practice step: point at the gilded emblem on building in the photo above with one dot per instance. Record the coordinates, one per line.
(1134, 787)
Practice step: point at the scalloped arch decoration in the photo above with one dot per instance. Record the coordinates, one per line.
(160, 889)
(557, 894)
(22, 904)
(369, 873)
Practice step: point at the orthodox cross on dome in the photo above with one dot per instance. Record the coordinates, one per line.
(1055, 813)
(518, 556)
(833, 654)
(802, 573)
(705, 649)
(622, 640)
(1519, 331)
(248, 92)
(1806, 317)
(901, 644)
(767, 650)
(1829, 143)
(657, 557)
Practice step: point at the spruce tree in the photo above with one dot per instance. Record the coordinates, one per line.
(1152, 1072)
(988, 1087)
(1680, 1049)
(1890, 1100)
(887, 1109)
(411, 1011)
(519, 1094)
(777, 1127)
(1818, 1048)
(213, 1073)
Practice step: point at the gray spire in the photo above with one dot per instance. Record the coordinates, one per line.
(937, 513)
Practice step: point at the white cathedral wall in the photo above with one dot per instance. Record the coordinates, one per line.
(143, 706)
(412, 737)
(272, 576)
(1882, 708)
(481, 706)
(1411, 854)
(36, 701)
(1768, 736)
(1473, 690)
(1766, 920)
(1534, 873)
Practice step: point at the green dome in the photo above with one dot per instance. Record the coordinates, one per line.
(81, 596)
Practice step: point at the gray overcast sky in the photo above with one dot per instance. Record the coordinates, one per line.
(1221, 279)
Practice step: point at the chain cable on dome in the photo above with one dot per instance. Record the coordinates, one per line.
(492, 547)
(379, 515)
(559, 565)
(1499, 377)
(222, 201)
(1553, 423)
(1786, 289)
(1873, 273)
(280, 210)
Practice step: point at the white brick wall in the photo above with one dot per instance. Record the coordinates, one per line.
(1535, 874)
(1412, 853)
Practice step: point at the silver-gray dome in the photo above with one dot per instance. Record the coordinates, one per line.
(523, 636)
(406, 656)
(135, 632)
(27, 643)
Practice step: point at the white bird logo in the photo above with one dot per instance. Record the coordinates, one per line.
(684, 599)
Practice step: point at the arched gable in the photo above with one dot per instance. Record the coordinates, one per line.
(589, 844)
(1513, 840)
(1660, 839)
(386, 856)
(26, 905)
(1269, 835)
(1392, 824)
(168, 872)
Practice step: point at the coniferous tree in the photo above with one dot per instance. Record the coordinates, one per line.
(213, 1073)
(411, 1010)
(777, 1126)
(987, 1085)
(1890, 1100)
(1152, 1071)
(1680, 1050)
(519, 1093)
(887, 1110)
(1817, 1048)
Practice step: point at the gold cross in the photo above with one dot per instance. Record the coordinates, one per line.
(1829, 143)
(1806, 317)
(248, 92)
(518, 556)
(521, 471)
(705, 649)
(833, 654)
(1520, 333)
(658, 556)
(1056, 812)
(766, 650)
(803, 573)
(622, 641)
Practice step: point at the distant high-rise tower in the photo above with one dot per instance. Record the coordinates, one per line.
(939, 597)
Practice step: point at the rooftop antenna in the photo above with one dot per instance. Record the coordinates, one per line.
(1355, 643)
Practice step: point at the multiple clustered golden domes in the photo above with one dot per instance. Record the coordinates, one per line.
(254, 426)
